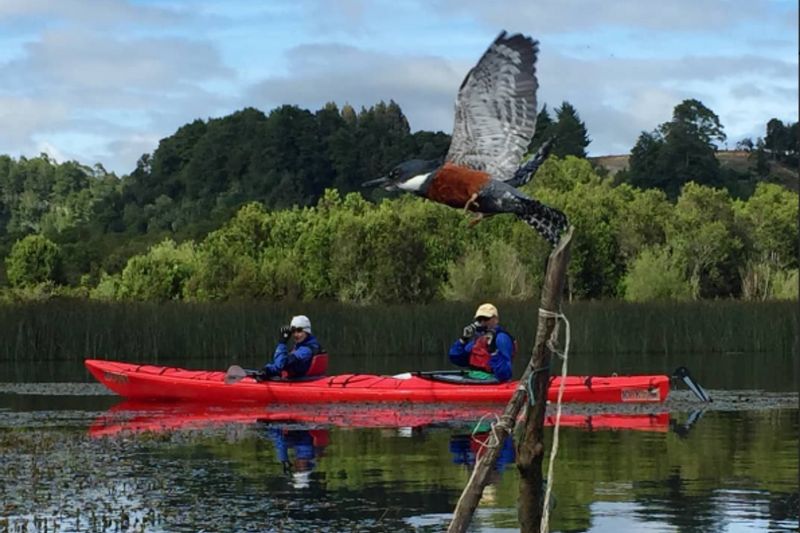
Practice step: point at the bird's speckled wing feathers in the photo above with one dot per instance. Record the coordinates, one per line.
(496, 108)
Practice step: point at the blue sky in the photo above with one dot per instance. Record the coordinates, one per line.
(104, 80)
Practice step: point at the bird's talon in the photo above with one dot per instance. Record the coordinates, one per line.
(470, 202)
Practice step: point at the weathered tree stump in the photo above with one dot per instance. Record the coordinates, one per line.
(530, 450)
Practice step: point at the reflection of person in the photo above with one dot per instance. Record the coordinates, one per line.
(484, 345)
(307, 444)
(467, 449)
(297, 361)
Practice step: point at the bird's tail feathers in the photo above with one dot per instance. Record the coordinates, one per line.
(548, 221)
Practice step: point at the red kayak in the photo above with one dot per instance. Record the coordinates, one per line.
(149, 382)
(147, 416)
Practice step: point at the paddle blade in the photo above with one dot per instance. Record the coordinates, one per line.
(683, 373)
(235, 374)
(682, 430)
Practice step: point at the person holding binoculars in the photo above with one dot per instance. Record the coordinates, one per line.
(297, 362)
(484, 346)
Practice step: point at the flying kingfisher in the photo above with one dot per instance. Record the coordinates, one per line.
(495, 121)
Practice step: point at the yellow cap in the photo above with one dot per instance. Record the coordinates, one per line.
(486, 311)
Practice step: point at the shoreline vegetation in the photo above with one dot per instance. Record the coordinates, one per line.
(234, 332)
(262, 207)
(630, 244)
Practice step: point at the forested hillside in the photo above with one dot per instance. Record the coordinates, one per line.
(168, 230)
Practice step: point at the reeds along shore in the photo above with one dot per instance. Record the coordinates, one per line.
(74, 330)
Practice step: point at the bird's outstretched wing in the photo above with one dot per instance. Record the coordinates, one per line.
(496, 108)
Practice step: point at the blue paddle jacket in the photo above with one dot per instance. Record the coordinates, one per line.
(500, 361)
(284, 440)
(297, 361)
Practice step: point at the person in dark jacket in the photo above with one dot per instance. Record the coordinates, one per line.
(297, 361)
(484, 345)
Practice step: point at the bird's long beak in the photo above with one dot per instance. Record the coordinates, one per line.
(380, 182)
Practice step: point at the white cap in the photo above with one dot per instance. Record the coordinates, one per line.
(486, 311)
(301, 322)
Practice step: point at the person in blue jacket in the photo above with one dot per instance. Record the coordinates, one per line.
(308, 445)
(297, 361)
(484, 345)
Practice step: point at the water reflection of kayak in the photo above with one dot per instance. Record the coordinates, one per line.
(134, 417)
(169, 383)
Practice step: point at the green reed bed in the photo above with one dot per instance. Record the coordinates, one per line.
(723, 326)
(67, 330)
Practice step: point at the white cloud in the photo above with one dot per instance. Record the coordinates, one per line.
(89, 13)
(52, 152)
(77, 65)
(103, 80)
(23, 116)
(424, 86)
(79, 83)
(555, 16)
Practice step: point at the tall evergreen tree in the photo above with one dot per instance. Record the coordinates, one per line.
(782, 141)
(759, 155)
(571, 135)
(544, 130)
(776, 140)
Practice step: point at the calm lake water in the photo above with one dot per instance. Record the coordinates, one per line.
(77, 458)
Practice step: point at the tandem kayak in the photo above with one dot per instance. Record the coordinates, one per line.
(134, 417)
(150, 382)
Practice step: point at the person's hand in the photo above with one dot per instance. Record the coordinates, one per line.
(286, 332)
(469, 331)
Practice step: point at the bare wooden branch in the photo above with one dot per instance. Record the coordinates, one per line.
(550, 300)
(530, 448)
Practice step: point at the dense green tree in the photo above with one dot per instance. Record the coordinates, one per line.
(544, 129)
(572, 138)
(769, 222)
(34, 260)
(761, 159)
(592, 205)
(158, 275)
(679, 151)
(692, 118)
(777, 138)
(770, 218)
(494, 273)
(641, 220)
(654, 275)
(782, 141)
(706, 241)
(647, 168)
(160, 174)
(228, 259)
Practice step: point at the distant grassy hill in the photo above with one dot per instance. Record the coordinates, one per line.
(734, 159)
